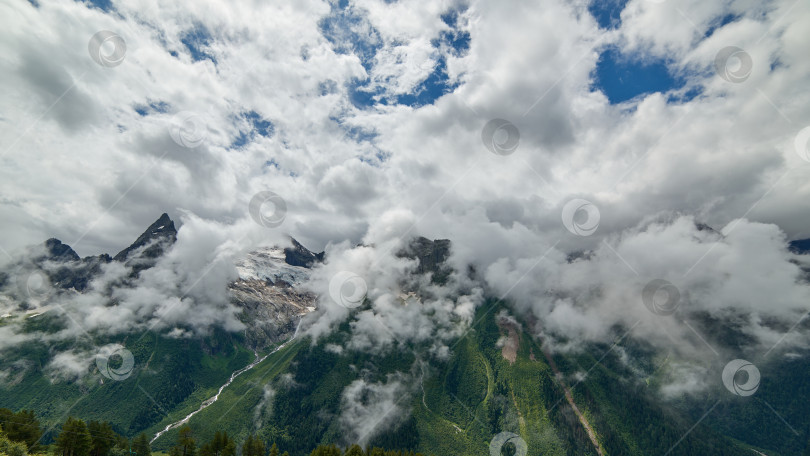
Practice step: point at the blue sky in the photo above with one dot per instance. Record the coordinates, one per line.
(349, 31)
(374, 83)
(622, 77)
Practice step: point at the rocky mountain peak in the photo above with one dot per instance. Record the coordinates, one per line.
(72, 271)
(57, 251)
(432, 255)
(704, 227)
(160, 235)
(298, 255)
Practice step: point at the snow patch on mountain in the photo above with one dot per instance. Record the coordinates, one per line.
(269, 264)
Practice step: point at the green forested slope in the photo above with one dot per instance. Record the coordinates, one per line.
(467, 399)
(454, 406)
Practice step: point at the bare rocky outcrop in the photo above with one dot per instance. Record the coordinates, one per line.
(270, 312)
(270, 295)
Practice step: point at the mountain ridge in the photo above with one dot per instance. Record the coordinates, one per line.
(498, 377)
(162, 228)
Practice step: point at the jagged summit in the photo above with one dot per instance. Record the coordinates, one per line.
(57, 251)
(72, 271)
(298, 255)
(158, 234)
(432, 256)
(76, 272)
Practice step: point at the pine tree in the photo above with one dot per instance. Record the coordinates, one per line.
(324, 450)
(102, 436)
(274, 450)
(141, 445)
(74, 439)
(355, 450)
(207, 448)
(186, 446)
(228, 447)
(253, 446)
(247, 446)
(22, 426)
(221, 445)
(9, 448)
(121, 443)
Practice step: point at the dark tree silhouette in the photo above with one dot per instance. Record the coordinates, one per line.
(74, 439)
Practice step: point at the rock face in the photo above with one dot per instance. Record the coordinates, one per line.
(56, 251)
(271, 313)
(298, 255)
(65, 269)
(268, 291)
(158, 233)
(78, 276)
(151, 245)
(432, 256)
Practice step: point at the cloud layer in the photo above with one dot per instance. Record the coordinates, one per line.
(367, 119)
